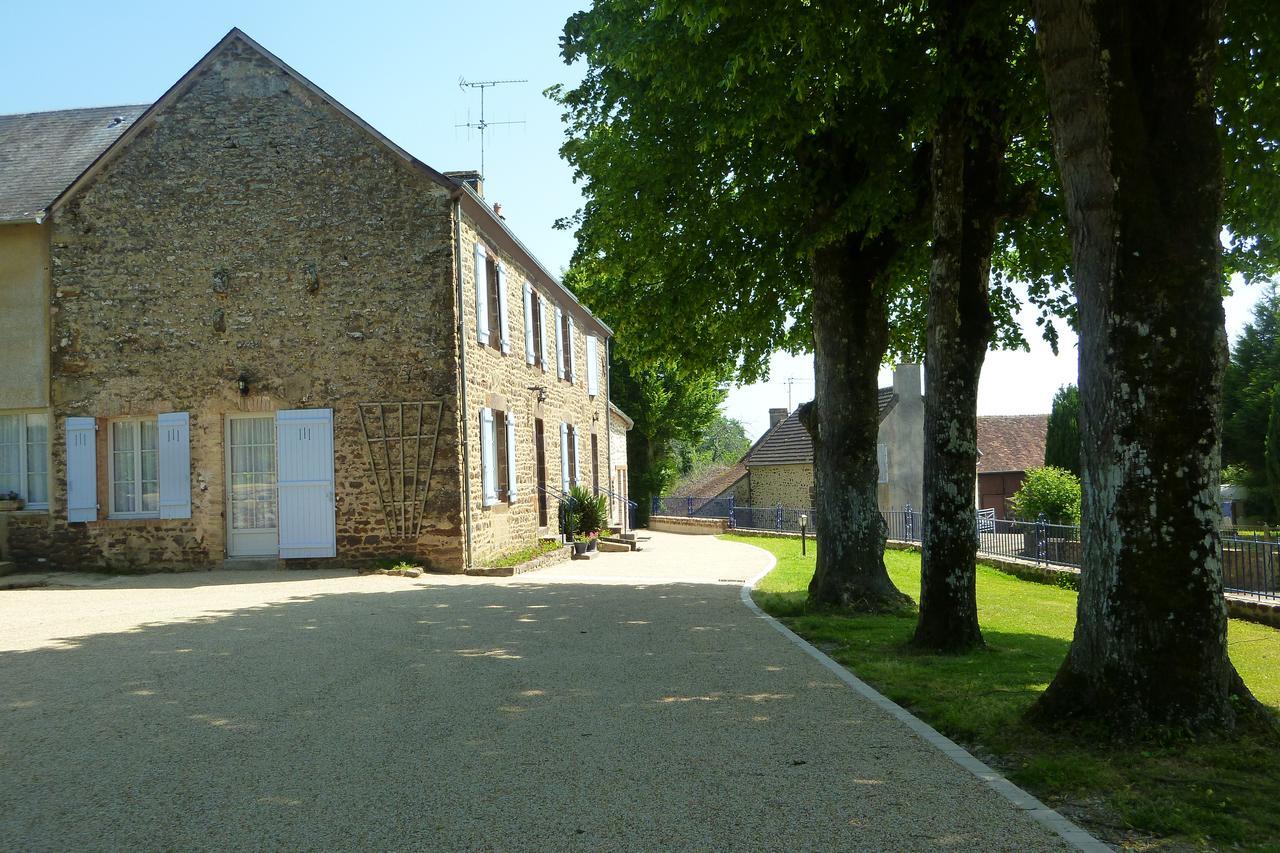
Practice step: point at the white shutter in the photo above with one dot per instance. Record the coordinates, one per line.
(546, 341)
(175, 465)
(564, 458)
(577, 459)
(593, 369)
(882, 460)
(482, 296)
(488, 458)
(570, 367)
(504, 324)
(511, 458)
(559, 346)
(304, 474)
(82, 469)
(528, 323)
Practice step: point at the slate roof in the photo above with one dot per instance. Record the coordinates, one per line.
(42, 153)
(789, 443)
(1011, 442)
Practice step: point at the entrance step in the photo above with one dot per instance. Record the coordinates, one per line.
(7, 568)
(615, 546)
(588, 555)
(253, 564)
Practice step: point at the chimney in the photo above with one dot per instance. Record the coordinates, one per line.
(776, 416)
(906, 381)
(469, 177)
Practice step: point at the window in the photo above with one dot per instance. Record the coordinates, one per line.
(134, 452)
(24, 457)
(566, 334)
(497, 456)
(571, 449)
(495, 303)
(535, 308)
(500, 446)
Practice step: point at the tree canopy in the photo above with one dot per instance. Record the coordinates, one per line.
(1247, 391)
(1062, 440)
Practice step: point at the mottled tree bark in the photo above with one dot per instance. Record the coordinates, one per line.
(967, 159)
(850, 334)
(1131, 96)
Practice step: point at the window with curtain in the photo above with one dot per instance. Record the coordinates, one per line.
(24, 457)
(135, 467)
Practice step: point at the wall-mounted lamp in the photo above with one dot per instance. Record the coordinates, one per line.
(242, 382)
(541, 391)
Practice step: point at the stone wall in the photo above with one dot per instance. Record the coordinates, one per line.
(503, 382)
(789, 485)
(251, 231)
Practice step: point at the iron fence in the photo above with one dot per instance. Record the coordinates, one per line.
(1249, 565)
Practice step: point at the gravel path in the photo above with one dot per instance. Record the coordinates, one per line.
(631, 702)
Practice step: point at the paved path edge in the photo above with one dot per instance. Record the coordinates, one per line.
(1038, 811)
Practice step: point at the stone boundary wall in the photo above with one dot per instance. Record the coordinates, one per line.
(679, 524)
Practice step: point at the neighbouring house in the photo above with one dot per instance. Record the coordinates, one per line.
(241, 323)
(710, 493)
(619, 492)
(779, 468)
(1008, 447)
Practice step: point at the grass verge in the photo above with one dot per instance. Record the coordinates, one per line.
(524, 555)
(1162, 794)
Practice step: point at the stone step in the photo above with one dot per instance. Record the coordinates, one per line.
(589, 555)
(611, 546)
(253, 564)
(7, 568)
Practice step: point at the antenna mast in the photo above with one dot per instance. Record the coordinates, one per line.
(482, 125)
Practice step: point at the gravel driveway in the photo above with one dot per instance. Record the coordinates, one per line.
(631, 702)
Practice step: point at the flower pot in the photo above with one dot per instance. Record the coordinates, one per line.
(12, 506)
(580, 547)
(591, 544)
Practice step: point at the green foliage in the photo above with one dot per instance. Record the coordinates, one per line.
(722, 443)
(588, 513)
(1062, 441)
(1235, 474)
(1248, 390)
(1218, 792)
(1273, 447)
(1052, 491)
(524, 555)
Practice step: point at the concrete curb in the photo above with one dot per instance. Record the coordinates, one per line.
(1038, 811)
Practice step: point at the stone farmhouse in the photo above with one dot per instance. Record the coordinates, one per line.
(241, 324)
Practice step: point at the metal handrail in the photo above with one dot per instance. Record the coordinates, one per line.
(632, 506)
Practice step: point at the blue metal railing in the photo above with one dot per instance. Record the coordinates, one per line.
(1249, 565)
(628, 517)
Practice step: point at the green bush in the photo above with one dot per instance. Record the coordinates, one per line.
(587, 512)
(1049, 490)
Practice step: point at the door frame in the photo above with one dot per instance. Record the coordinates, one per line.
(226, 473)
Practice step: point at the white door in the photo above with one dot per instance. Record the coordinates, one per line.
(251, 486)
(304, 443)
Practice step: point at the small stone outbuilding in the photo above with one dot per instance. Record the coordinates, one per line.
(239, 323)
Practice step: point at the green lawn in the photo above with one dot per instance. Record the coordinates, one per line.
(1214, 792)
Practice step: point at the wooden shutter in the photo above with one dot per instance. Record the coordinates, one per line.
(564, 458)
(511, 458)
(528, 323)
(82, 469)
(304, 470)
(593, 369)
(482, 295)
(504, 322)
(175, 465)
(559, 345)
(488, 458)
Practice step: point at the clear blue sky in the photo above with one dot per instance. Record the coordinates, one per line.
(397, 64)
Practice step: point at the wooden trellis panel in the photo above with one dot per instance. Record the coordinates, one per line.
(401, 441)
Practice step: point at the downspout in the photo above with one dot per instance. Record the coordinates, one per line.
(462, 381)
(608, 436)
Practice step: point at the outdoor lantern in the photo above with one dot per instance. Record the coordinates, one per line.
(804, 523)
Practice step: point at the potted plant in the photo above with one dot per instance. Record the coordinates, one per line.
(11, 502)
(587, 514)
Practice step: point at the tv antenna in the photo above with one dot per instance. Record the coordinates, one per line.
(483, 124)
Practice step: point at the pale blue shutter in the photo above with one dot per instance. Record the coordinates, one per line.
(504, 324)
(570, 364)
(546, 341)
(559, 345)
(482, 296)
(488, 458)
(564, 458)
(593, 369)
(304, 487)
(175, 465)
(82, 469)
(528, 323)
(511, 458)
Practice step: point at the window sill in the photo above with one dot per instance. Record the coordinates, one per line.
(138, 519)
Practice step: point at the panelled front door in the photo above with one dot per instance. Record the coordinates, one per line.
(252, 526)
(540, 452)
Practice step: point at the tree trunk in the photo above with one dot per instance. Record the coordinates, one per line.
(850, 334)
(1131, 96)
(968, 156)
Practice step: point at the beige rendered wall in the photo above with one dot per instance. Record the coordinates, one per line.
(503, 382)
(24, 316)
(902, 430)
(617, 466)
